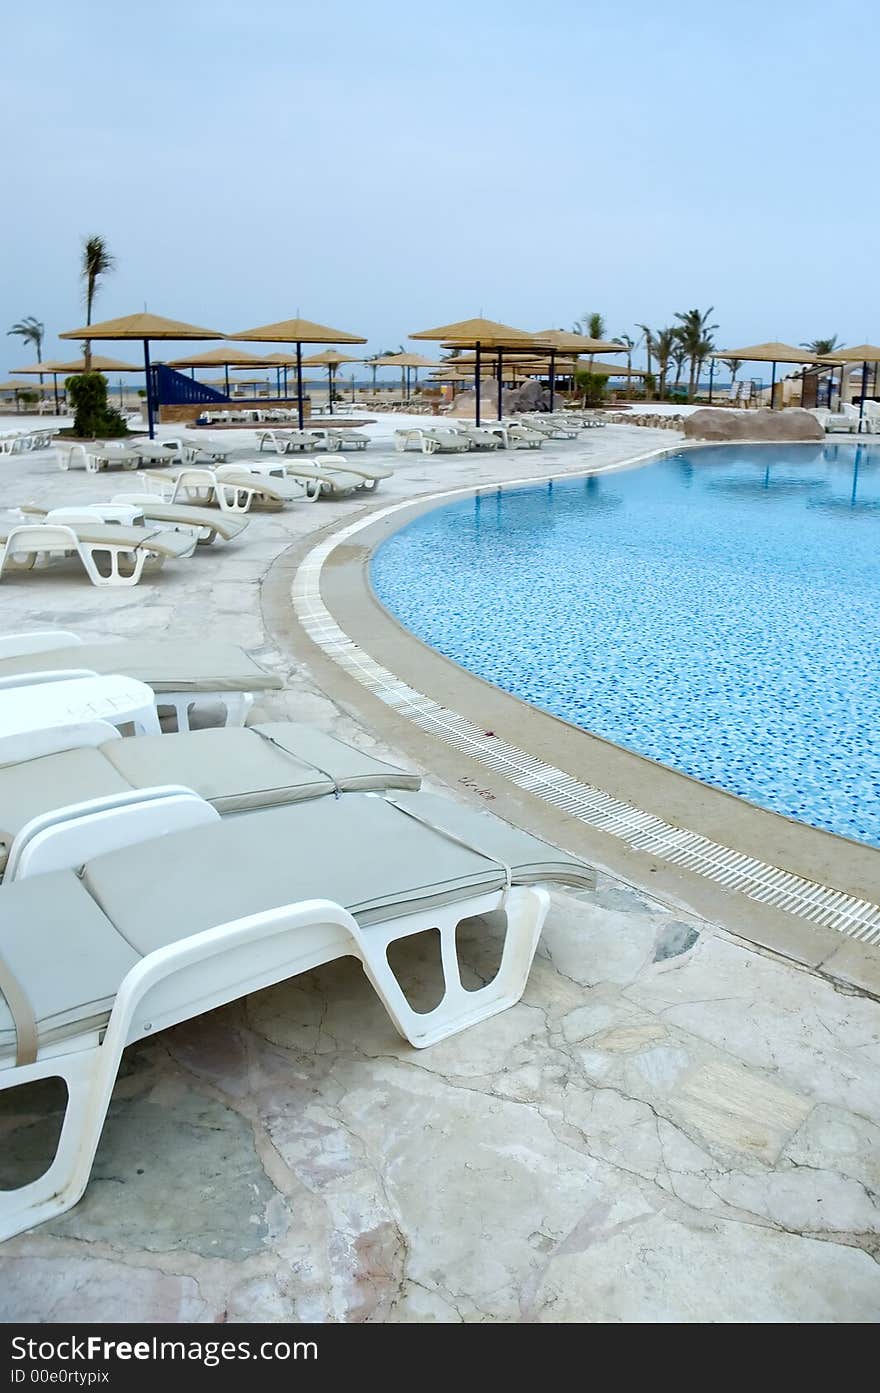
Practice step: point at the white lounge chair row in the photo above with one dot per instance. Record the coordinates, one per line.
(21, 441)
(461, 436)
(330, 438)
(132, 454)
(173, 903)
(237, 488)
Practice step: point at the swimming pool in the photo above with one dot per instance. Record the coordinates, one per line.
(718, 611)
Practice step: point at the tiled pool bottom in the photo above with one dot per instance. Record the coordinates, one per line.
(718, 611)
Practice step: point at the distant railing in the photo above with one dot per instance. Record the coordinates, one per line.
(170, 388)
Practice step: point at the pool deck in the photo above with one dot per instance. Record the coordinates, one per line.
(680, 1121)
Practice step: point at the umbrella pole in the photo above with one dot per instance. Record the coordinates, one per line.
(864, 394)
(330, 384)
(55, 389)
(772, 384)
(299, 383)
(226, 375)
(711, 378)
(285, 382)
(150, 431)
(477, 386)
(499, 378)
(552, 378)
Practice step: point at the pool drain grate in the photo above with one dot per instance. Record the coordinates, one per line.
(641, 831)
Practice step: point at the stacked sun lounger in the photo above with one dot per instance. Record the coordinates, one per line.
(150, 878)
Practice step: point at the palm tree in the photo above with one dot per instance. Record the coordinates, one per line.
(96, 262)
(695, 332)
(629, 344)
(648, 336)
(664, 343)
(733, 366)
(822, 348)
(679, 358)
(592, 326)
(32, 331)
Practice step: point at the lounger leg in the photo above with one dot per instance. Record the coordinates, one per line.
(136, 560)
(237, 704)
(89, 1076)
(524, 911)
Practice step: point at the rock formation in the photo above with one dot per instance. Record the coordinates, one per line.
(531, 396)
(764, 424)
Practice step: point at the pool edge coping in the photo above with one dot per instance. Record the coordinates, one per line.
(315, 574)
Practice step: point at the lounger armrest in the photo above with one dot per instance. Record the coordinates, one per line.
(36, 679)
(66, 838)
(219, 965)
(41, 641)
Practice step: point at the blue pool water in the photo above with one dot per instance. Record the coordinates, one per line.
(717, 611)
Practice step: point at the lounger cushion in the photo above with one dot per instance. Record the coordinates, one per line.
(531, 860)
(40, 785)
(236, 769)
(156, 539)
(358, 851)
(236, 772)
(352, 770)
(66, 954)
(242, 769)
(165, 665)
(222, 523)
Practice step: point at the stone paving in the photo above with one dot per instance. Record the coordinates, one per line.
(671, 1126)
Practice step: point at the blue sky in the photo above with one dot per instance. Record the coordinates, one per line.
(383, 169)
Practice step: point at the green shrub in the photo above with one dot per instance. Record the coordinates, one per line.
(592, 386)
(93, 418)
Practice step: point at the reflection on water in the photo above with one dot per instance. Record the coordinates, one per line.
(861, 472)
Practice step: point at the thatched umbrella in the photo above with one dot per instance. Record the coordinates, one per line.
(330, 359)
(863, 353)
(773, 352)
(148, 328)
(563, 341)
(224, 358)
(298, 331)
(78, 365)
(480, 334)
(405, 361)
(280, 362)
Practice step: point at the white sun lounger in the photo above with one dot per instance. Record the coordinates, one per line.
(237, 493)
(334, 469)
(199, 448)
(237, 488)
(33, 703)
(171, 912)
(111, 555)
(524, 438)
(291, 441)
(159, 451)
(183, 675)
(340, 438)
(205, 524)
(480, 437)
(235, 769)
(553, 429)
(431, 441)
(96, 457)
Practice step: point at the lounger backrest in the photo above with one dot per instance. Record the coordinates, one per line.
(21, 541)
